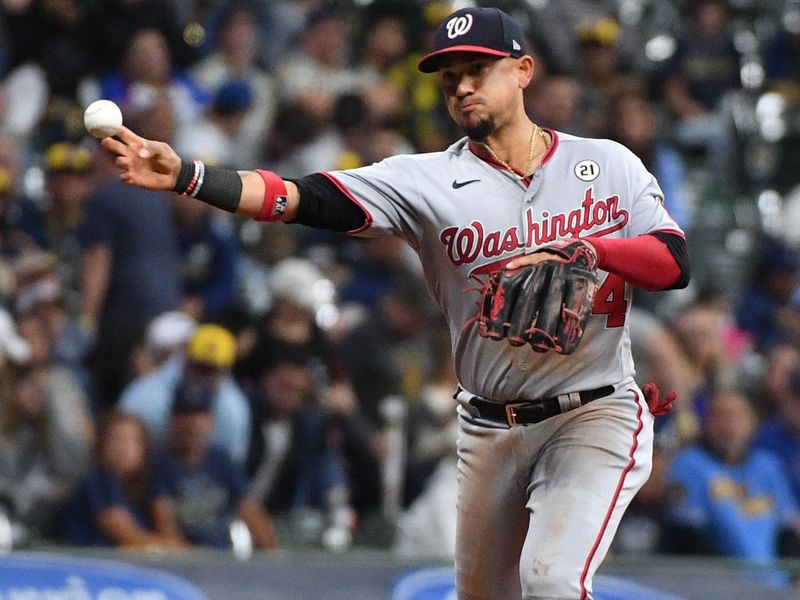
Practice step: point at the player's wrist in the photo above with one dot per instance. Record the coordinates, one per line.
(184, 176)
(213, 185)
(597, 246)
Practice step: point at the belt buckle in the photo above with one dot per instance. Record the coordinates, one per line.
(511, 415)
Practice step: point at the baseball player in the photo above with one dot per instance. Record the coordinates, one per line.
(552, 447)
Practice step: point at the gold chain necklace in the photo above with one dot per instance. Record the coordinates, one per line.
(511, 169)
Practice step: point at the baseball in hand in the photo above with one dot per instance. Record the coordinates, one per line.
(102, 118)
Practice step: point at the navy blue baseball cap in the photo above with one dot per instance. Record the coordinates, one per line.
(477, 29)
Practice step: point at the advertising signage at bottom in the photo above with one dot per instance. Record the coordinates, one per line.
(49, 577)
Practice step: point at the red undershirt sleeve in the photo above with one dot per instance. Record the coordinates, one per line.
(643, 261)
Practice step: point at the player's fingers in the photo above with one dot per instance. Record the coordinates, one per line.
(114, 146)
(153, 149)
(128, 137)
(533, 259)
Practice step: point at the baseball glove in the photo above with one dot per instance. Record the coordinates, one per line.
(545, 305)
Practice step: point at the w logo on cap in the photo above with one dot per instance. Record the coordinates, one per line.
(459, 26)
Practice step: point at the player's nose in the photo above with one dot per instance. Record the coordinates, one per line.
(465, 86)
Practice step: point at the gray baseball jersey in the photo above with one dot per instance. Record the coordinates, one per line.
(465, 217)
(537, 505)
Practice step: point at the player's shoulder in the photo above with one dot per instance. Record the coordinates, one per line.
(607, 148)
(453, 152)
(420, 163)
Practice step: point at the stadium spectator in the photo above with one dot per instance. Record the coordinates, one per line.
(45, 445)
(780, 434)
(115, 504)
(298, 291)
(209, 259)
(114, 23)
(216, 136)
(725, 496)
(315, 72)
(384, 41)
(206, 490)
(600, 73)
(423, 118)
(146, 74)
(130, 274)
(292, 463)
(764, 308)
(631, 121)
(565, 17)
(234, 57)
(210, 354)
(703, 69)
(69, 181)
(42, 310)
(555, 100)
(713, 345)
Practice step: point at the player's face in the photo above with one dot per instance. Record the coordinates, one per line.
(482, 92)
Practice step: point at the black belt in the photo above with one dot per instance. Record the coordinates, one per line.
(527, 412)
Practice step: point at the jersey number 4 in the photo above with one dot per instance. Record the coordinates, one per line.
(611, 300)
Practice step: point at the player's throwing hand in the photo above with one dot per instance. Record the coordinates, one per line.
(146, 163)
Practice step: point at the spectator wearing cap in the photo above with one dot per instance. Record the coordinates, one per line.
(565, 17)
(215, 137)
(600, 73)
(210, 354)
(234, 57)
(205, 489)
(69, 180)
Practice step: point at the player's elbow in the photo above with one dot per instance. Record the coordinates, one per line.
(681, 270)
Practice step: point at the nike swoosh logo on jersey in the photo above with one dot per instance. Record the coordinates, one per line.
(460, 184)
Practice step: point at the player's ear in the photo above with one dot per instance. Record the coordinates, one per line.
(526, 67)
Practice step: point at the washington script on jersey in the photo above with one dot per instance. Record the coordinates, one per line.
(465, 245)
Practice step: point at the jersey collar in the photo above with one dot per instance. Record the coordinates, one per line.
(501, 167)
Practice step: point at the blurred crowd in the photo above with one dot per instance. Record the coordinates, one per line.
(172, 376)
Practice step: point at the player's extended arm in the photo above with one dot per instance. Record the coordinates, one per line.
(154, 165)
(261, 195)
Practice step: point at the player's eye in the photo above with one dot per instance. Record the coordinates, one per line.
(449, 79)
(477, 68)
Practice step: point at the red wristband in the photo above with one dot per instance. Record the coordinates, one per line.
(276, 197)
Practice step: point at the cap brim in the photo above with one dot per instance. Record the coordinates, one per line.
(430, 62)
